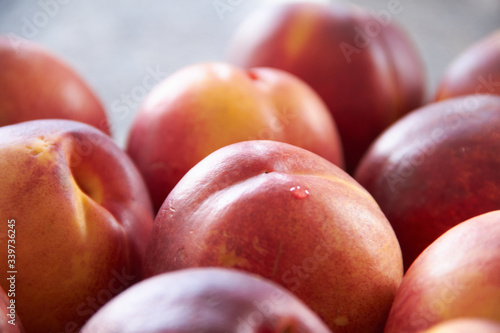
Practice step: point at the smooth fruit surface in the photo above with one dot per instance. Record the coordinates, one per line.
(286, 214)
(361, 63)
(36, 84)
(81, 217)
(207, 106)
(210, 300)
(456, 276)
(465, 325)
(435, 168)
(475, 71)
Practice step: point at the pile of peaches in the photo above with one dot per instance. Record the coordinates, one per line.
(305, 184)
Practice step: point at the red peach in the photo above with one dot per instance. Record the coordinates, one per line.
(436, 167)
(475, 71)
(361, 64)
(205, 300)
(457, 276)
(286, 214)
(36, 84)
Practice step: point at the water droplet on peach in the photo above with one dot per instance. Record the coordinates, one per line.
(299, 192)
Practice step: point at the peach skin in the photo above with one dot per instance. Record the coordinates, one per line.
(290, 216)
(362, 64)
(475, 71)
(206, 106)
(457, 276)
(81, 217)
(209, 300)
(36, 84)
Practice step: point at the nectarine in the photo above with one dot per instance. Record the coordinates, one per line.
(37, 84)
(475, 71)
(210, 300)
(204, 107)
(79, 215)
(361, 63)
(457, 276)
(291, 216)
(436, 167)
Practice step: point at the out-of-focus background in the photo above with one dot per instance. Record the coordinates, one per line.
(116, 45)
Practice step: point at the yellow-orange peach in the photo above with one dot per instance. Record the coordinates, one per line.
(204, 107)
(79, 215)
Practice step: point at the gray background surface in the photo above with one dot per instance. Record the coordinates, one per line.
(115, 45)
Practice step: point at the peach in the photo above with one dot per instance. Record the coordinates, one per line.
(80, 215)
(204, 107)
(205, 300)
(465, 325)
(457, 276)
(288, 215)
(361, 63)
(436, 167)
(36, 84)
(475, 71)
